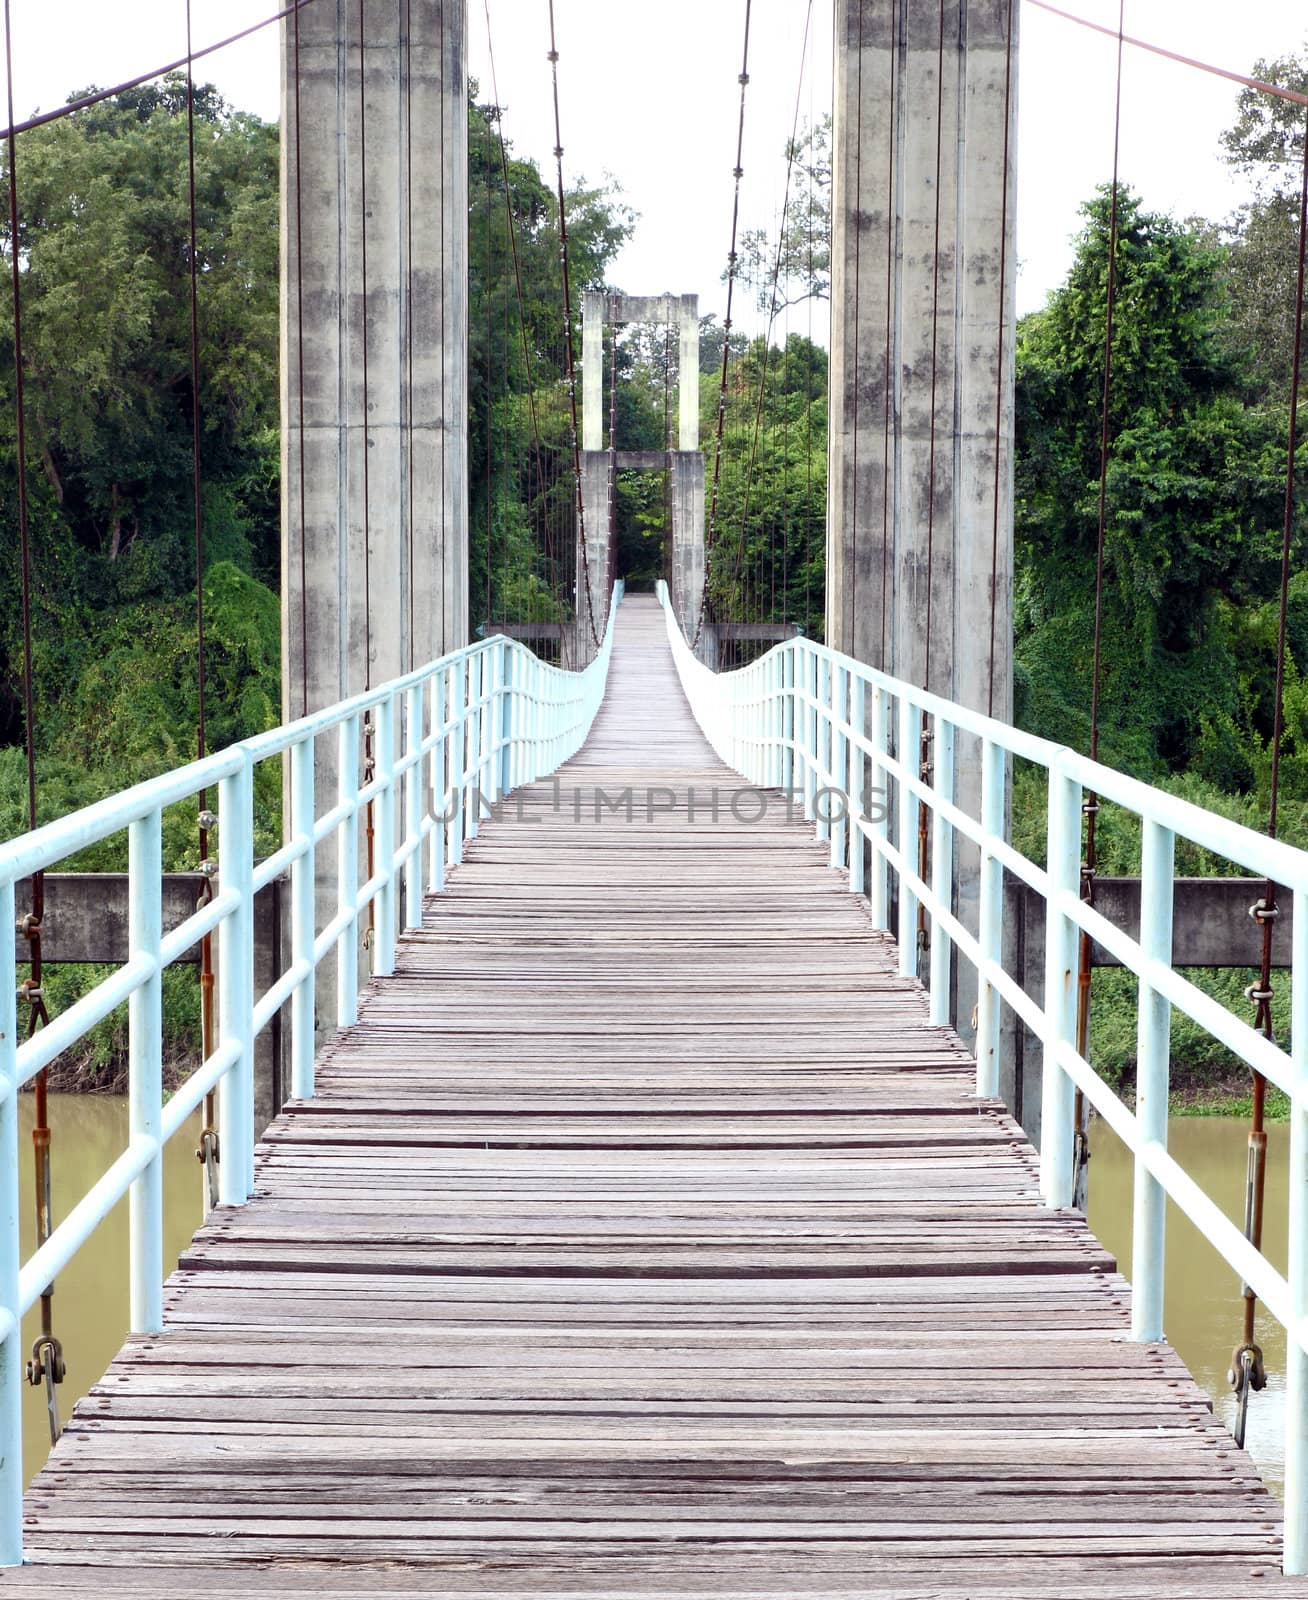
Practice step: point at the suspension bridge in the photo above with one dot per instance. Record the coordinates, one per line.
(644, 1215)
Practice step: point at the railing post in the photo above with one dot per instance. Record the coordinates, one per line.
(413, 807)
(236, 985)
(386, 715)
(508, 720)
(942, 873)
(475, 769)
(910, 739)
(1296, 1372)
(1152, 1082)
(811, 743)
(347, 875)
(879, 795)
(490, 728)
(11, 1351)
(822, 743)
(437, 780)
(303, 919)
(792, 655)
(456, 765)
(991, 919)
(1064, 873)
(838, 766)
(855, 785)
(145, 1069)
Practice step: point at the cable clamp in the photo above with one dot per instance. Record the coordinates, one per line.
(208, 869)
(29, 927)
(1258, 994)
(208, 820)
(1263, 912)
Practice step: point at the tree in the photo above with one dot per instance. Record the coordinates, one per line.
(104, 242)
(803, 269)
(1266, 146)
(1193, 506)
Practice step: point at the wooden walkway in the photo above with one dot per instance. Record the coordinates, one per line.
(646, 1240)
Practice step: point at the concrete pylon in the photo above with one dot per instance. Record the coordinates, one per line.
(917, 305)
(374, 194)
(685, 463)
(414, 322)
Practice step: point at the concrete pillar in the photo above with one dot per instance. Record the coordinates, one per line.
(594, 314)
(597, 512)
(902, 286)
(687, 534)
(356, 609)
(688, 376)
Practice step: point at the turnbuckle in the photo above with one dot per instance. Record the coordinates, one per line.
(1247, 1375)
(47, 1365)
(208, 1154)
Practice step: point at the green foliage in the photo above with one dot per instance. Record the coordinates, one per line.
(769, 534)
(1192, 511)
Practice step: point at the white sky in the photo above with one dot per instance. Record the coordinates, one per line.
(649, 94)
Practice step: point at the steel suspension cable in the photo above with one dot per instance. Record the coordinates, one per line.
(888, 374)
(935, 352)
(710, 540)
(370, 829)
(528, 363)
(1000, 384)
(1090, 862)
(772, 296)
(924, 753)
(408, 322)
(208, 1153)
(299, 366)
(47, 1359)
(1247, 1372)
(569, 344)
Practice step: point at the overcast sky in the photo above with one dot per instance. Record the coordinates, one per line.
(649, 95)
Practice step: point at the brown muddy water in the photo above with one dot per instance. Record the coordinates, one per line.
(87, 1133)
(1203, 1296)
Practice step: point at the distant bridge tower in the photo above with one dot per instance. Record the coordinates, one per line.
(917, 304)
(685, 464)
(396, 222)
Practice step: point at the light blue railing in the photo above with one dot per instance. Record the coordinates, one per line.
(807, 719)
(447, 741)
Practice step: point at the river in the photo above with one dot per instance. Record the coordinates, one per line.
(1202, 1309)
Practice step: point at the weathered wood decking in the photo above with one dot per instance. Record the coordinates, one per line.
(645, 1239)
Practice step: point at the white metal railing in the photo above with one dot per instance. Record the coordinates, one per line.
(844, 737)
(447, 741)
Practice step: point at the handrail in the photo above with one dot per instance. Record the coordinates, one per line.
(834, 733)
(461, 732)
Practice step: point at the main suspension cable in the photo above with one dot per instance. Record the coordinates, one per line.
(98, 97)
